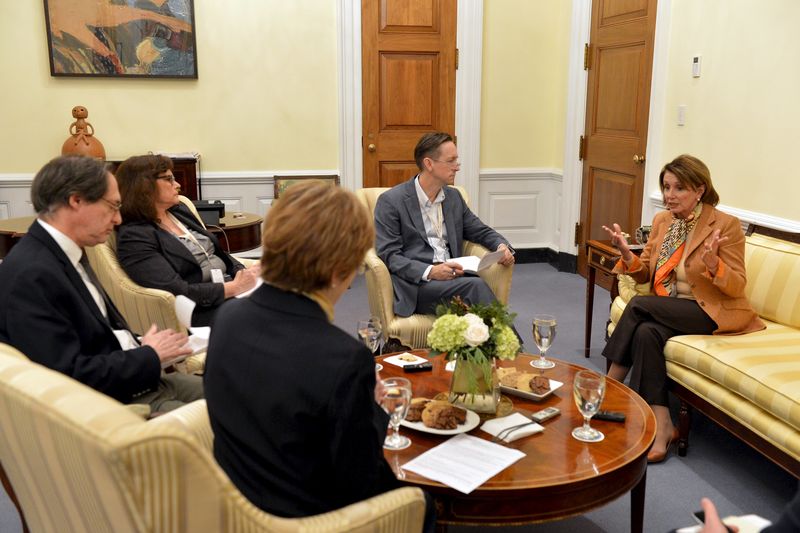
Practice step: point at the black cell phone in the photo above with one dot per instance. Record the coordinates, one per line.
(419, 367)
(700, 517)
(611, 416)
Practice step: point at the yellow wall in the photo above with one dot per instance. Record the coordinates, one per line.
(524, 87)
(743, 113)
(266, 97)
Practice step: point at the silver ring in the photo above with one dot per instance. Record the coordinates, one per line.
(453, 272)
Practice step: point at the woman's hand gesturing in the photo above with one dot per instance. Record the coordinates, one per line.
(618, 239)
(710, 251)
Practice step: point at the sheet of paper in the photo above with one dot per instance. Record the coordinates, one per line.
(472, 263)
(184, 307)
(464, 462)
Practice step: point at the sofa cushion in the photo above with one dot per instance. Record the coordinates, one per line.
(770, 264)
(773, 430)
(761, 366)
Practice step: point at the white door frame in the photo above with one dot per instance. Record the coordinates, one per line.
(578, 80)
(469, 40)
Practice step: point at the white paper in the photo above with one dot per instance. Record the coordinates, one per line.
(472, 263)
(184, 307)
(749, 523)
(464, 462)
(397, 360)
(199, 335)
(495, 426)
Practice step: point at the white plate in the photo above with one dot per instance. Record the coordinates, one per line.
(396, 361)
(472, 422)
(554, 384)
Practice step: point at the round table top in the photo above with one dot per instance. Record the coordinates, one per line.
(559, 475)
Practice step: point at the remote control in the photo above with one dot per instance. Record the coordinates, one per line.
(545, 414)
(611, 416)
(419, 367)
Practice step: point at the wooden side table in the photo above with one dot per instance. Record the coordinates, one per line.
(602, 257)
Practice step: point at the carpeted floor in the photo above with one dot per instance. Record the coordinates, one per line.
(739, 480)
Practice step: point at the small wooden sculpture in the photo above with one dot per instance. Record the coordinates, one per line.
(82, 140)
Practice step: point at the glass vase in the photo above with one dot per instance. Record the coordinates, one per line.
(475, 387)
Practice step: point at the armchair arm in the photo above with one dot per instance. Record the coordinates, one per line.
(397, 510)
(628, 288)
(497, 276)
(192, 418)
(379, 288)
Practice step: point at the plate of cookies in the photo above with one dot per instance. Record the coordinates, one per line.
(526, 384)
(439, 417)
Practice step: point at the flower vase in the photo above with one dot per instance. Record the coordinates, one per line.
(470, 389)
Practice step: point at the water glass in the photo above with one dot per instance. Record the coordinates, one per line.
(589, 388)
(371, 333)
(544, 333)
(395, 399)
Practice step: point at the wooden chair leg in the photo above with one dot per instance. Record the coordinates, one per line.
(684, 424)
(12, 495)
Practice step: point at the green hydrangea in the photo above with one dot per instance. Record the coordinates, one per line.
(447, 333)
(506, 343)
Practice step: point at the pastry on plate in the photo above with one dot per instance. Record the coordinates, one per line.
(415, 409)
(443, 415)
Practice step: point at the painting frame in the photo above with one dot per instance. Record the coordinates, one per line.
(283, 182)
(153, 40)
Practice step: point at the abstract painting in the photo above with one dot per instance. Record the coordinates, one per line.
(121, 38)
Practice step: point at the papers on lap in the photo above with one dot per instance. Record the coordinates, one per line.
(474, 264)
(464, 462)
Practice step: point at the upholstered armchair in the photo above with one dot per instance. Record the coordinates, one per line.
(413, 331)
(80, 461)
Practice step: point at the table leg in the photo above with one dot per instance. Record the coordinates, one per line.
(637, 505)
(587, 342)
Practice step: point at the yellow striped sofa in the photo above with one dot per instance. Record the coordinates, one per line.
(79, 461)
(749, 384)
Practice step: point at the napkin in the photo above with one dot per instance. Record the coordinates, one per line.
(495, 426)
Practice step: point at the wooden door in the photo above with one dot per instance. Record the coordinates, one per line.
(617, 109)
(408, 82)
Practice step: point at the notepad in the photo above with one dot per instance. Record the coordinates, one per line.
(474, 264)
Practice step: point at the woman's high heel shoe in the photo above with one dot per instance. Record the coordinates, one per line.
(656, 457)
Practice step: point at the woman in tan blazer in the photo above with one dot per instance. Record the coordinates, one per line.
(694, 260)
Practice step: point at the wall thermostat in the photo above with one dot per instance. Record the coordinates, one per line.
(696, 60)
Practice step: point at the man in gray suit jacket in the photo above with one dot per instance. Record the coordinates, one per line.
(421, 224)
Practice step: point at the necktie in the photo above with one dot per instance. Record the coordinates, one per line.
(115, 319)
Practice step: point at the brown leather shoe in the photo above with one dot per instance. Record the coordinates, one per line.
(655, 457)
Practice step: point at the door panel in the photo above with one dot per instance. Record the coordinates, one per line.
(408, 82)
(617, 111)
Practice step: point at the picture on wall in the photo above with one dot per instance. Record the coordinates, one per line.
(121, 38)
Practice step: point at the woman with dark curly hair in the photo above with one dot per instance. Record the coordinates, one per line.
(162, 245)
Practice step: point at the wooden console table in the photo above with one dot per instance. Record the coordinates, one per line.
(600, 256)
(237, 232)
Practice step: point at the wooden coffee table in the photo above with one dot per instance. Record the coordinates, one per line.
(559, 476)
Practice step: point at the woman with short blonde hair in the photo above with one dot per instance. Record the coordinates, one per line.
(291, 397)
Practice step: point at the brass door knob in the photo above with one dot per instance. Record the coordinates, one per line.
(371, 147)
(638, 159)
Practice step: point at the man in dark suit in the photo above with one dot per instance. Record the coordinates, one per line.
(421, 224)
(53, 309)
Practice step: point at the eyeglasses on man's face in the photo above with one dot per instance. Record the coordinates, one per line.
(115, 206)
(453, 163)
